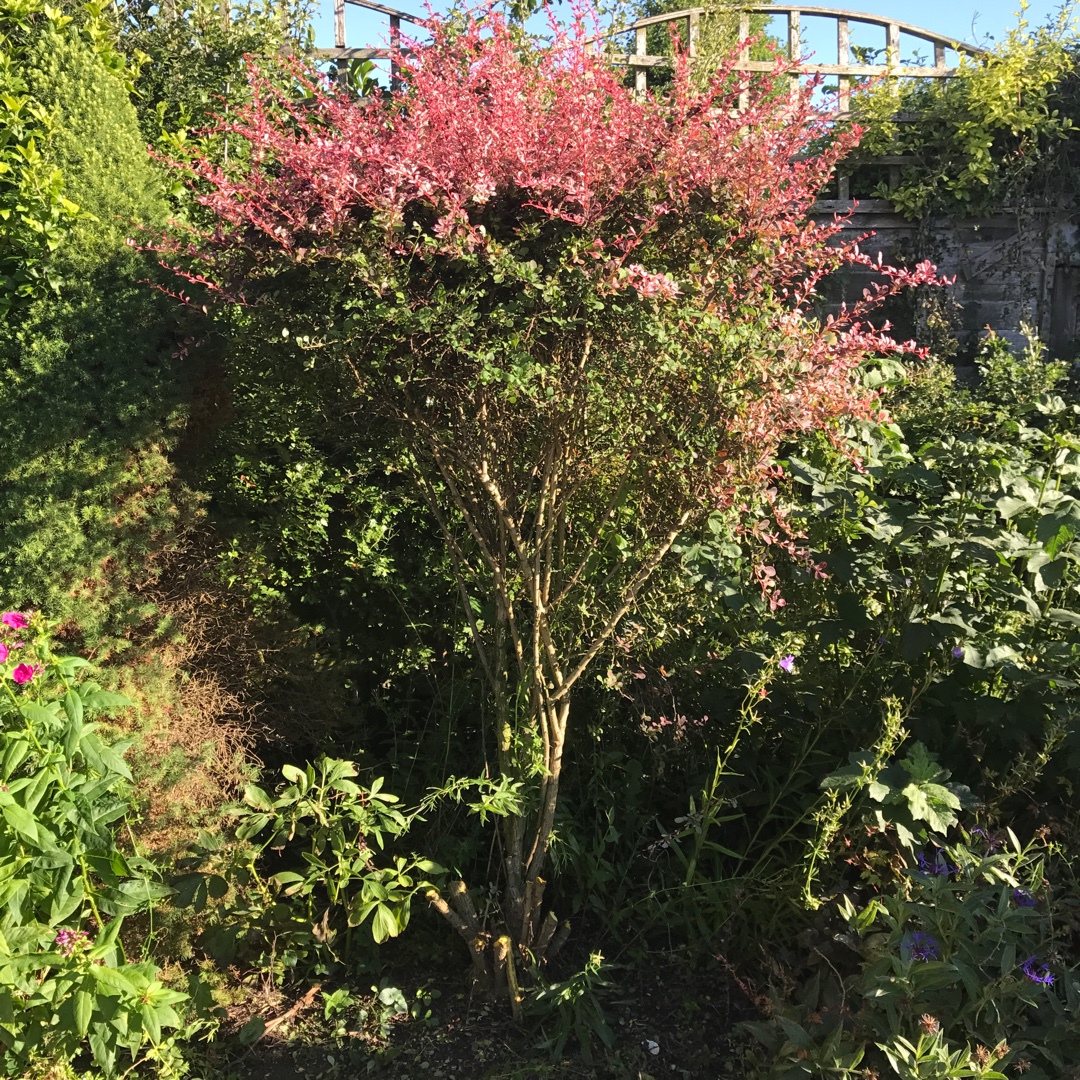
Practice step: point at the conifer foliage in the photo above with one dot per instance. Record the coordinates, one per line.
(584, 320)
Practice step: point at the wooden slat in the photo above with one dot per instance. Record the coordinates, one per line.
(794, 47)
(641, 74)
(634, 60)
(656, 20)
(395, 52)
(894, 45)
(393, 12)
(785, 9)
(939, 54)
(744, 55)
(695, 28)
(351, 54)
(863, 17)
(860, 71)
(339, 23)
(843, 58)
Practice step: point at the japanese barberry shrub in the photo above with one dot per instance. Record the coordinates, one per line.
(583, 319)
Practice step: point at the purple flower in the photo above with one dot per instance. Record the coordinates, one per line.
(936, 864)
(992, 842)
(1036, 972)
(16, 620)
(920, 945)
(24, 673)
(957, 653)
(788, 663)
(1022, 898)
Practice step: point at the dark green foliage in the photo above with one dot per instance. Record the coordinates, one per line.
(950, 607)
(91, 380)
(943, 975)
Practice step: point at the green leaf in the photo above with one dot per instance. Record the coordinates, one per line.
(73, 706)
(292, 774)
(383, 925)
(256, 797)
(106, 701)
(84, 1009)
(252, 1031)
(41, 717)
(114, 982)
(23, 822)
(148, 1016)
(933, 804)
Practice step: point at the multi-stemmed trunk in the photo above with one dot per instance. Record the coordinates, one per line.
(533, 570)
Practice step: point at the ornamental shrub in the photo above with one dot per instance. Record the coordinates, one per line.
(90, 388)
(66, 987)
(959, 969)
(998, 134)
(580, 321)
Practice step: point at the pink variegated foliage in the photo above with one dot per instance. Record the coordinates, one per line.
(695, 211)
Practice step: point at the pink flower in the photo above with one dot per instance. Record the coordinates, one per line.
(68, 941)
(14, 619)
(25, 672)
(3, 653)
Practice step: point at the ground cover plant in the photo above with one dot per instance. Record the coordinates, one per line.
(697, 655)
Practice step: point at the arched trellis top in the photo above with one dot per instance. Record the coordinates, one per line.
(844, 71)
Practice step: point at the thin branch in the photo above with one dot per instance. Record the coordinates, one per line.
(629, 596)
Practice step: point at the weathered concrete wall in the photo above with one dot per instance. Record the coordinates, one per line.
(1012, 268)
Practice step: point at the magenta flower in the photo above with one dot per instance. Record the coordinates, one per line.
(788, 663)
(25, 672)
(3, 652)
(16, 620)
(69, 940)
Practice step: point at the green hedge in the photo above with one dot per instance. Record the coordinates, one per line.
(89, 380)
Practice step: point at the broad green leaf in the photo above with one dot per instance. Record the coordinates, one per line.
(383, 925)
(114, 982)
(84, 1009)
(23, 822)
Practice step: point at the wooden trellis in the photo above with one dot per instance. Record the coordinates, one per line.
(342, 53)
(640, 59)
(844, 71)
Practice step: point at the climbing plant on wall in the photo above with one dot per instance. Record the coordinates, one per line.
(995, 133)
